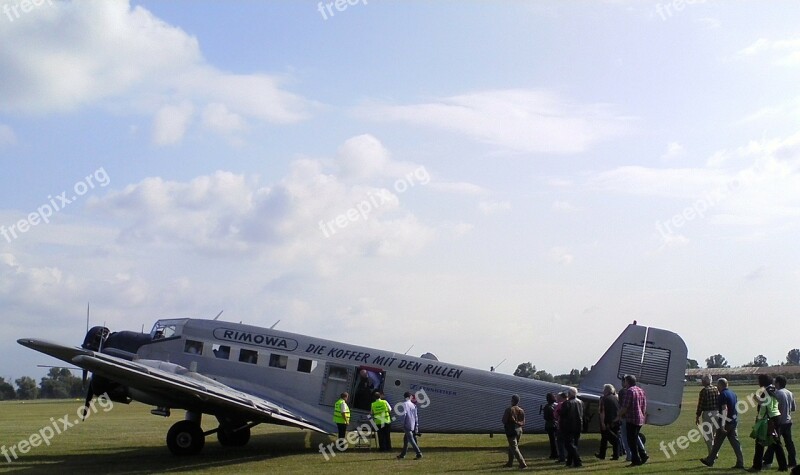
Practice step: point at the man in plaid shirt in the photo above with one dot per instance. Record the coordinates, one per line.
(632, 411)
(707, 409)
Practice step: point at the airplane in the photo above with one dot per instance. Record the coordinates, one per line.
(246, 375)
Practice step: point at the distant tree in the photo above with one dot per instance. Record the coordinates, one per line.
(525, 370)
(584, 372)
(26, 388)
(6, 390)
(759, 361)
(574, 376)
(793, 357)
(60, 383)
(692, 364)
(717, 361)
(543, 375)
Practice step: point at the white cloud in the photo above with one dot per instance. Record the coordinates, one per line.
(517, 119)
(494, 207)
(759, 185)
(674, 150)
(7, 136)
(309, 213)
(217, 117)
(564, 206)
(708, 23)
(462, 188)
(363, 157)
(671, 240)
(170, 123)
(561, 255)
(780, 52)
(77, 54)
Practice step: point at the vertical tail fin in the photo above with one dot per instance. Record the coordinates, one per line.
(658, 360)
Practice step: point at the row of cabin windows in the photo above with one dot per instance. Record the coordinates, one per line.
(248, 356)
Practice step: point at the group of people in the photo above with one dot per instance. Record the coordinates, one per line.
(621, 419)
(381, 413)
(717, 407)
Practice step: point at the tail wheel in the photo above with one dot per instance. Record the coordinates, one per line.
(228, 438)
(185, 438)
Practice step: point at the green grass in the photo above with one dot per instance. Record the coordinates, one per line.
(127, 439)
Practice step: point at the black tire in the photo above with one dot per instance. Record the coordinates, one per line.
(185, 438)
(228, 438)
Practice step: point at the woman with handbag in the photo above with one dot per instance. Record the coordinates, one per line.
(764, 432)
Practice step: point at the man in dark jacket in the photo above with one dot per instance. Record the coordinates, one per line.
(570, 425)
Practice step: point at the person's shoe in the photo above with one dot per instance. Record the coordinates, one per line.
(645, 458)
(401, 457)
(509, 464)
(553, 457)
(706, 463)
(753, 469)
(615, 458)
(633, 464)
(577, 465)
(599, 457)
(419, 456)
(523, 466)
(559, 462)
(767, 466)
(737, 467)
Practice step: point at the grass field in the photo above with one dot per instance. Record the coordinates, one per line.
(127, 439)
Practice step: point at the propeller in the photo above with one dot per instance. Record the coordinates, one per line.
(85, 373)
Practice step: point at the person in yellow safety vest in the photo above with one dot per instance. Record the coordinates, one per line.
(382, 416)
(341, 414)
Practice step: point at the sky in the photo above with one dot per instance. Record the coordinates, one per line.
(494, 182)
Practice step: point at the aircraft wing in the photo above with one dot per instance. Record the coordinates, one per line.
(175, 385)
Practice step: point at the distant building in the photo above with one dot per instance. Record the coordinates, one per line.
(744, 374)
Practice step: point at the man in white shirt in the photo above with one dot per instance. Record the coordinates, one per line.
(410, 426)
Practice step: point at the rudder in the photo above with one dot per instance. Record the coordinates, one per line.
(658, 360)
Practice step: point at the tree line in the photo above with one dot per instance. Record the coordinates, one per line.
(719, 361)
(59, 383)
(528, 370)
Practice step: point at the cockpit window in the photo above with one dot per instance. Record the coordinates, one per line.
(165, 330)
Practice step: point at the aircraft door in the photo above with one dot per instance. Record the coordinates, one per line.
(337, 380)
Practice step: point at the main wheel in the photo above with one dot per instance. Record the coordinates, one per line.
(185, 438)
(228, 438)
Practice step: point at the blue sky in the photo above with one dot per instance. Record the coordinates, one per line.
(525, 178)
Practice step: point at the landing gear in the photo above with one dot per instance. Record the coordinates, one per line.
(186, 438)
(230, 438)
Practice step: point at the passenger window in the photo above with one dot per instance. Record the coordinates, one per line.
(305, 366)
(221, 351)
(193, 347)
(278, 361)
(248, 356)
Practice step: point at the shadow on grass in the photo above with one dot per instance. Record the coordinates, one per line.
(151, 459)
